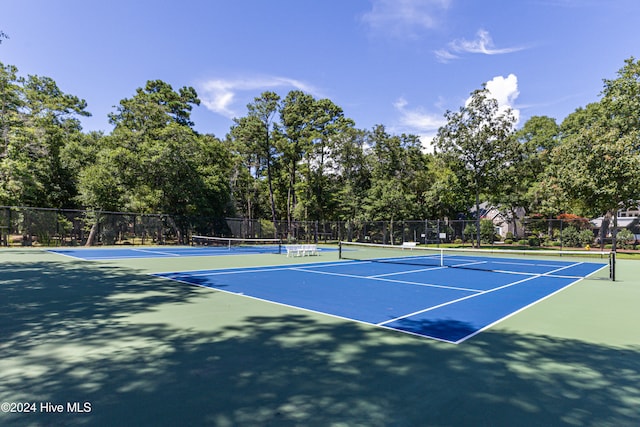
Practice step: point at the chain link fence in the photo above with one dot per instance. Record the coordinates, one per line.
(26, 226)
(65, 227)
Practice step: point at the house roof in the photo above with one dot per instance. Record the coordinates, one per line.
(623, 222)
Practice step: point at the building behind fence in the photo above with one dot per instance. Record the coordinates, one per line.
(25, 226)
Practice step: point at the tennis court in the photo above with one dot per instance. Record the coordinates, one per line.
(415, 294)
(201, 247)
(307, 344)
(155, 252)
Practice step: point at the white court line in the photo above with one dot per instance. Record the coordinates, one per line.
(98, 258)
(309, 310)
(240, 270)
(424, 269)
(381, 325)
(578, 278)
(490, 260)
(405, 272)
(430, 285)
(523, 273)
(270, 267)
(476, 295)
(155, 252)
(67, 255)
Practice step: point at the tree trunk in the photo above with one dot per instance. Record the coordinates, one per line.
(603, 229)
(92, 234)
(614, 233)
(478, 218)
(272, 200)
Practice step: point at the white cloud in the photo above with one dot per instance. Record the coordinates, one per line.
(220, 95)
(419, 122)
(402, 18)
(505, 91)
(444, 55)
(482, 44)
(425, 124)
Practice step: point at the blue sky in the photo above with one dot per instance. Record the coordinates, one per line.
(400, 63)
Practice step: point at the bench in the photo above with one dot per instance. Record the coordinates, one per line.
(408, 245)
(301, 250)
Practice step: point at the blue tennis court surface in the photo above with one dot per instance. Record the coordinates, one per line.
(447, 304)
(160, 252)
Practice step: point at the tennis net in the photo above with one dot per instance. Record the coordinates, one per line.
(273, 246)
(557, 262)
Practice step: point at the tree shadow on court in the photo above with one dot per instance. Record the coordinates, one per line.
(99, 334)
(449, 330)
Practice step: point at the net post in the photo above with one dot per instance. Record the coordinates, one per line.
(340, 249)
(612, 266)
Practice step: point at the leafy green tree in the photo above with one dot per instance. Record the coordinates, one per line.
(447, 195)
(151, 143)
(478, 139)
(392, 159)
(155, 106)
(328, 122)
(155, 162)
(524, 182)
(37, 119)
(621, 99)
(244, 187)
(417, 175)
(597, 168)
(547, 196)
(296, 117)
(11, 101)
(255, 133)
(538, 136)
(353, 174)
(52, 122)
(12, 168)
(100, 184)
(582, 118)
(598, 160)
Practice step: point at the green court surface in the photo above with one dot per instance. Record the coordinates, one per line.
(142, 350)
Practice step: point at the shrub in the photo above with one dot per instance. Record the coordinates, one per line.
(487, 231)
(469, 231)
(534, 241)
(626, 237)
(523, 242)
(571, 237)
(267, 228)
(585, 237)
(508, 241)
